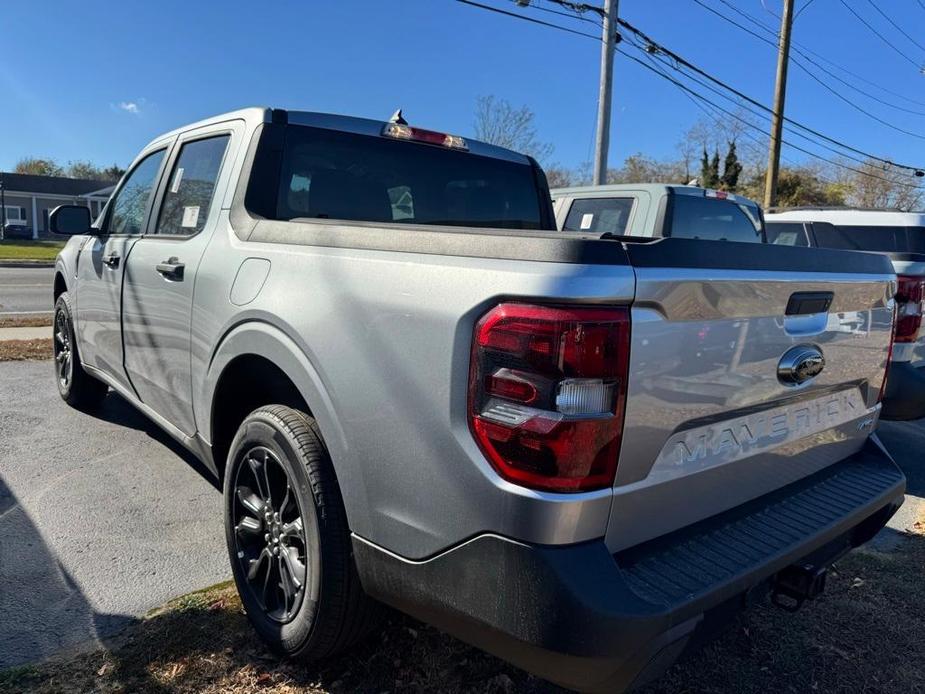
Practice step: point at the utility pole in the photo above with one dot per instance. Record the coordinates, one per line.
(602, 140)
(777, 115)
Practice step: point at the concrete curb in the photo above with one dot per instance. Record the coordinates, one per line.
(27, 263)
(26, 333)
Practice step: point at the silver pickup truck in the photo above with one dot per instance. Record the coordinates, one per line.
(575, 452)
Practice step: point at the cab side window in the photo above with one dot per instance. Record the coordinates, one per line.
(192, 185)
(786, 234)
(715, 220)
(599, 215)
(130, 204)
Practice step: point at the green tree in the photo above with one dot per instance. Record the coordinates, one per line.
(799, 186)
(38, 167)
(732, 169)
(714, 171)
(113, 173)
(706, 171)
(82, 169)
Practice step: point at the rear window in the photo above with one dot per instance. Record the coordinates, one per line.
(870, 238)
(786, 233)
(327, 174)
(711, 219)
(599, 215)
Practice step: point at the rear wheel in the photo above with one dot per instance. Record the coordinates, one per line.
(76, 387)
(288, 539)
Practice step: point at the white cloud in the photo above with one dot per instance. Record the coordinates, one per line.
(130, 107)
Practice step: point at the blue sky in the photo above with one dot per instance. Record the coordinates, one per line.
(96, 80)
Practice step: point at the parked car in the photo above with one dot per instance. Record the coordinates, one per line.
(417, 391)
(899, 235)
(17, 230)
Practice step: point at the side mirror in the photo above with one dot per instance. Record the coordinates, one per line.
(70, 220)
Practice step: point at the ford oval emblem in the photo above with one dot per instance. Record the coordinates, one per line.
(800, 364)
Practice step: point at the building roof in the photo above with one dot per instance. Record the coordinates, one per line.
(53, 185)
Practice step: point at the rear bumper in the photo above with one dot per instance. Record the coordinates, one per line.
(904, 398)
(586, 619)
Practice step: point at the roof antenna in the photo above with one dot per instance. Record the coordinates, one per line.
(398, 118)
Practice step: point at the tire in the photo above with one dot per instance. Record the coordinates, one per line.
(331, 611)
(76, 387)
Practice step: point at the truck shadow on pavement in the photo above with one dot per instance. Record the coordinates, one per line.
(117, 410)
(42, 609)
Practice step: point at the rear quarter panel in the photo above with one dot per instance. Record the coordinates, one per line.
(379, 343)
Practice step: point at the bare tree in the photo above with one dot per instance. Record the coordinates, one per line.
(499, 123)
(559, 176)
(638, 168)
(879, 185)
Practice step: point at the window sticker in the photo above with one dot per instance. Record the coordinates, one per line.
(190, 216)
(177, 177)
(587, 220)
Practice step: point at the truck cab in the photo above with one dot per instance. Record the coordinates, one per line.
(658, 210)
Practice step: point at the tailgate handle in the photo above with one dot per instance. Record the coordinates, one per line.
(804, 303)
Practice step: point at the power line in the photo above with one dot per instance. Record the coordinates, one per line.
(752, 111)
(800, 11)
(824, 69)
(883, 38)
(570, 15)
(681, 61)
(528, 19)
(895, 25)
(755, 102)
(739, 118)
(806, 51)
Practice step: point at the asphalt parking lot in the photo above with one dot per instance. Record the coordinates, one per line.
(102, 517)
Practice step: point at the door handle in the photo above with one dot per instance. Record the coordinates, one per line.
(111, 260)
(171, 268)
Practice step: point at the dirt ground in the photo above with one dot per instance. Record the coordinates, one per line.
(865, 634)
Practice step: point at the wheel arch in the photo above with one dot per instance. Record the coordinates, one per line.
(60, 285)
(258, 364)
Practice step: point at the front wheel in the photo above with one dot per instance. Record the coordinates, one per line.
(76, 387)
(288, 539)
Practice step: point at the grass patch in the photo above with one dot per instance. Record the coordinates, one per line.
(29, 250)
(37, 321)
(865, 634)
(23, 350)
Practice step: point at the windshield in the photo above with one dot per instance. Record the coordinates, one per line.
(328, 174)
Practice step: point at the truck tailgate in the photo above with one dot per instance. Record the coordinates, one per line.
(718, 328)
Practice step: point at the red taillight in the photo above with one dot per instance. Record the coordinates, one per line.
(547, 387)
(909, 298)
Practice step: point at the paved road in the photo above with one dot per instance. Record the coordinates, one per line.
(25, 290)
(101, 518)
